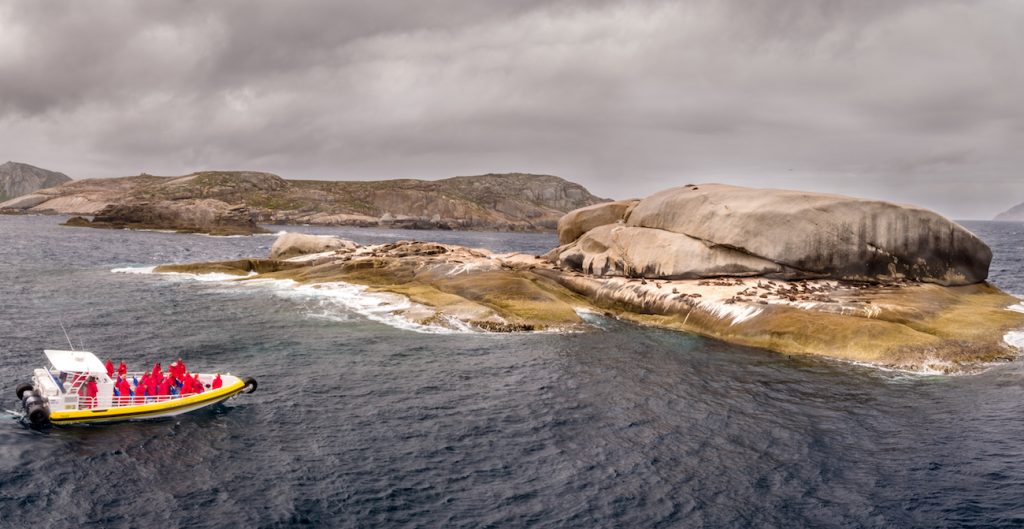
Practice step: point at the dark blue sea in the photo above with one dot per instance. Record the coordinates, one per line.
(360, 422)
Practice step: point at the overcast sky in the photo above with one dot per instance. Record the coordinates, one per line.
(912, 101)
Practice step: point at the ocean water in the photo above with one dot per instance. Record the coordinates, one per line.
(360, 421)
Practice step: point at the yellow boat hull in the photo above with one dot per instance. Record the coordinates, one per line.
(152, 410)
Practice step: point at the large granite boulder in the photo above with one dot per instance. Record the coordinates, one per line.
(291, 245)
(617, 250)
(720, 230)
(580, 221)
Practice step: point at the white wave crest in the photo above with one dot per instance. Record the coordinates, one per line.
(213, 276)
(1015, 339)
(736, 312)
(336, 300)
(134, 270)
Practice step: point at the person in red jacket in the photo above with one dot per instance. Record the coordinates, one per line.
(122, 369)
(127, 386)
(140, 391)
(197, 386)
(110, 368)
(125, 389)
(182, 370)
(157, 370)
(165, 388)
(217, 382)
(91, 390)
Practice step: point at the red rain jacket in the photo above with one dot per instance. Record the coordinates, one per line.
(125, 388)
(217, 383)
(110, 368)
(91, 391)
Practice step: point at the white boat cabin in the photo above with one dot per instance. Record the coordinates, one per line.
(64, 382)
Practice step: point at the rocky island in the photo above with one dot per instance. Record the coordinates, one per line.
(17, 179)
(1014, 214)
(793, 272)
(230, 202)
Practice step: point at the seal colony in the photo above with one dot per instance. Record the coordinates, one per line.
(793, 272)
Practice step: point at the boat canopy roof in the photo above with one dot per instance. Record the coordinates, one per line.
(76, 362)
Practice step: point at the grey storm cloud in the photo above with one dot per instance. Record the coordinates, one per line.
(913, 101)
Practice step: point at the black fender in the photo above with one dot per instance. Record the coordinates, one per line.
(37, 409)
(22, 389)
(250, 385)
(39, 415)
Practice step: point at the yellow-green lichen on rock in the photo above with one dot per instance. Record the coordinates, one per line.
(933, 314)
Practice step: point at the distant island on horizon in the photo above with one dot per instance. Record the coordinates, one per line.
(1014, 214)
(244, 199)
(230, 202)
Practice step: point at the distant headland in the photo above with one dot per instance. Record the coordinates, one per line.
(17, 179)
(231, 202)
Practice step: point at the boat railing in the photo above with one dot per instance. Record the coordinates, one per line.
(119, 401)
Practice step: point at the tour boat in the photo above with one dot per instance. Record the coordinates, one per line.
(57, 394)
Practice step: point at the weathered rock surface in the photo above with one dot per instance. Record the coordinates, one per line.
(446, 286)
(914, 326)
(187, 216)
(295, 244)
(618, 250)
(18, 179)
(580, 221)
(507, 202)
(718, 230)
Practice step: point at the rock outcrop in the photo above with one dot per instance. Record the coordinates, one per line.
(503, 202)
(717, 230)
(291, 245)
(916, 326)
(445, 286)
(580, 221)
(18, 179)
(186, 216)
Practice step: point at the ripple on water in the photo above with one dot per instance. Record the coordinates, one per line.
(358, 423)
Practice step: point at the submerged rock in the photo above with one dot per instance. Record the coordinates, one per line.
(715, 230)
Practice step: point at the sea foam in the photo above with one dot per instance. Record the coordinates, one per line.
(195, 277)
(334, 301)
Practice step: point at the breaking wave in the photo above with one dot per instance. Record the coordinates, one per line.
(334, 301)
